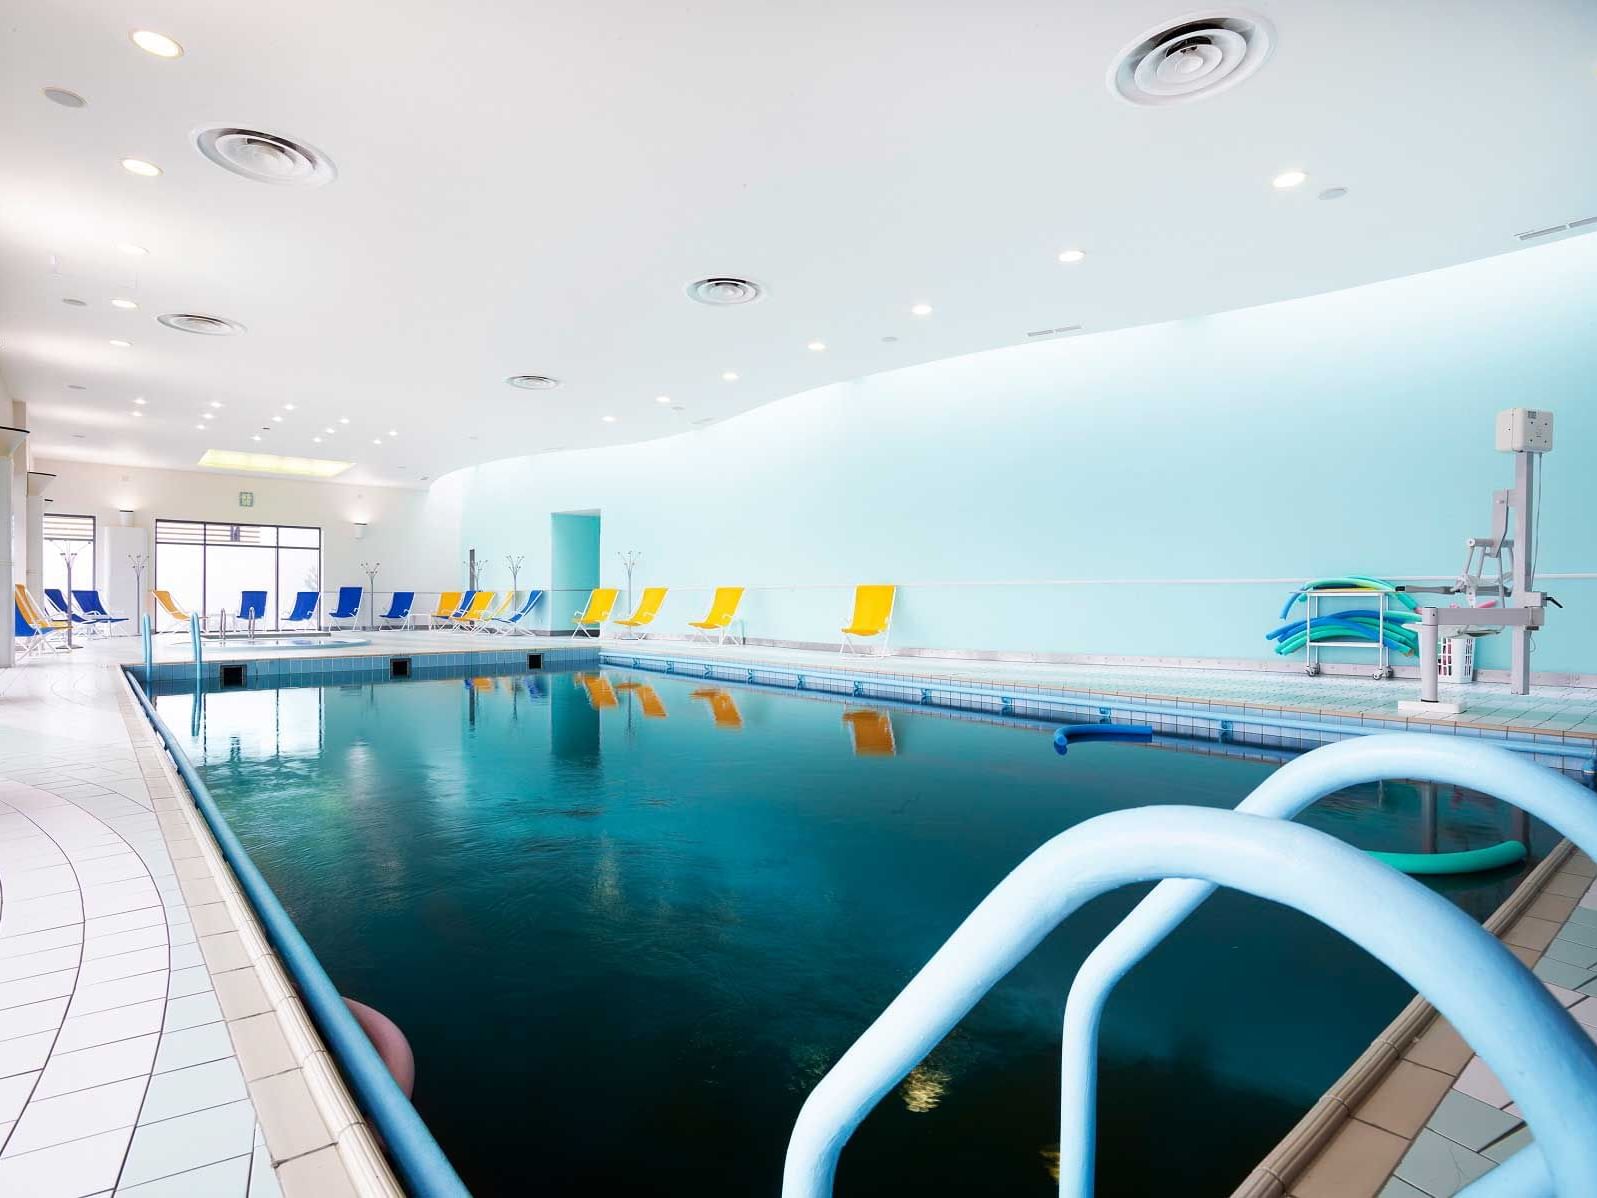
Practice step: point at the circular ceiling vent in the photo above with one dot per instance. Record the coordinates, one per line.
(1195, 57)
(725, 292)
(265, 157)
(533, 382)
(206, 326)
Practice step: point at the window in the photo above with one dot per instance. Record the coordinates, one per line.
(68, 536)
(210, 565)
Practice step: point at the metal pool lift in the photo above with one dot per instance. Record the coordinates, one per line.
(1500, 566)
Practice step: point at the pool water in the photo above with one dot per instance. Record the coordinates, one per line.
(628, 920)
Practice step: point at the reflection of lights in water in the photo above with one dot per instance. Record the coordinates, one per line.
(924, 1088)
(1050, 1155)
(607, 879)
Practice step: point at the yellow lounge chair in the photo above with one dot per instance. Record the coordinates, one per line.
(601, 602)
(873, 614)
(600, 693)
(476, 611)
(648, 607)
(448, 605)
(723, 707)
(44, 628)
(648, 698)
(872, 732)
(170, 607)
(723, 609)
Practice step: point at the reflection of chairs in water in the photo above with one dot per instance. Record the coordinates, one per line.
(648, 698)
(872, 732)
(600, 693)
(479, 684)
(723, 707)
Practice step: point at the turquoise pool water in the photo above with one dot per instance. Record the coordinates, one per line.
(628, 920)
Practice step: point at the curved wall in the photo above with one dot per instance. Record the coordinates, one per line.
(1348, 432)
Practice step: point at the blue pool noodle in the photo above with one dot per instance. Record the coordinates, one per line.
(1064, 735)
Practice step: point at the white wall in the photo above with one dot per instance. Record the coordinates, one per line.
(414, 534)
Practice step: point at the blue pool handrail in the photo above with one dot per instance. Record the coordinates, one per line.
(421, 1163)
(1073, 734)
(1557, 801)
(1524, 1035)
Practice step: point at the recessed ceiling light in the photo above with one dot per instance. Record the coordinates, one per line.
(817, 346)
(271, 463)
(216, 403)
(316, 440)
(393, 432)
(1070, 257)
(120, 344)
(377, 440)
(730, 376)
(141, 401)
(608, 419)
(137, 166)
(288, 407)
(662, 399)
(329, 431)
(255, 436)
(135, 412)
(126, 305)
(157, 44)
(343, 420)
(207, 415)
(277, 418)
(74, 303)
(133, 251)
(199, 428)
(63, 97)
(533, 382)
(1288, 179)
(921, 310)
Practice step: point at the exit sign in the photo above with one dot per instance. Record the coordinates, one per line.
(246, 499)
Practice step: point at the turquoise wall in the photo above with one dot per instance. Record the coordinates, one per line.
(1162, 471)
(573, 556)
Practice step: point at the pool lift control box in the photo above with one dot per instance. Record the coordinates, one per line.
(1500, 566)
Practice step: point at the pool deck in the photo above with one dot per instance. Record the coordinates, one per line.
(151, 1044)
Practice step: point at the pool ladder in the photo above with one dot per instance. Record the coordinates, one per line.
(1529, 1041)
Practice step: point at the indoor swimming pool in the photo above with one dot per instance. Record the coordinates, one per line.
(628, 920)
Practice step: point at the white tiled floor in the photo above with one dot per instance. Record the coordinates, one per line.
(117, 1071)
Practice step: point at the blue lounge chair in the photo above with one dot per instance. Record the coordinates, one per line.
(348, 604)
(467, 598)
(517, 621)
(251, 606)
(398, 609)
(60, 608)
(304, 607)
(90, 604)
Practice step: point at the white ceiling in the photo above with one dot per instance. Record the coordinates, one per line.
(527, 188)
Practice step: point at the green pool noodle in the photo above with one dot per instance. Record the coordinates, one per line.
(1467, 861)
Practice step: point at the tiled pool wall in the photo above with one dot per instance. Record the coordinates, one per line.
(1268, 727)
(315, 671)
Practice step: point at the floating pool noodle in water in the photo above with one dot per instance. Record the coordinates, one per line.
(1468, 861)
(1068, 734)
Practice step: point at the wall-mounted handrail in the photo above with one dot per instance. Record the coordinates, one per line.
(1552, 798)
(1538, 1052)
(421, 1163)
(1224, 721)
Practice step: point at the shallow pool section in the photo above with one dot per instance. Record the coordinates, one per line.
(629, 920)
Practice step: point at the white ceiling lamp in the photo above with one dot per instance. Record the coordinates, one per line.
(216, 403)
(279, 419)
(126, 305)
(137, 166)
(255, 436)
(393, 432)
(135, 412)
(1071, 257)
(343, 420)
(817, 347)
(288, 407)
(1287, 180)
(729, 376)
(207, 415)
(662, 399)
(141, 401)
(329, 431)
(157, 44)
(921, 310)
(316, 440)
(608, 419)
(377, 440)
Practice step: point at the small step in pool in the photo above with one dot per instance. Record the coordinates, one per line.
(628, 920)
